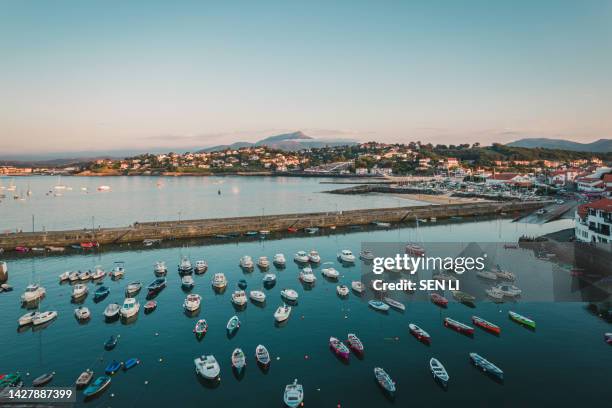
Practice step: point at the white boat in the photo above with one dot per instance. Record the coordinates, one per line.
(160, 268)
(307, 277)
(282, 313)
(269, 278)
(509, 290)
(263, 262)
(330, 273)
(294, 395)
(98, 273)
(130, 308)
(82, 313)
(394, 303)
(239, 298)
(219, 281)
(314, 257)
(201, 266)
(506, 275)
(366, 255)
(487, 275)
(342, 290)
(104, 188)
(73, 276)
(185, 266)
(187, 282)
(192, 302)
(246, 262)
(79, 290)
(64, 276)
(289, 294)
(346, 256)
(33, 293)
(357, 286)
(27, 318)
(257, 296)
(44, 317)
(438, 371)
(495, 294)
(279, 260)
(133, 288)
(3, 269)
(112, 310)
(118, 271)
(207, 367)
(307, 269)
(301, 257)
(85, 276)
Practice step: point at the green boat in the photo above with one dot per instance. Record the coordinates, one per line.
(525, 321)
(9, 379)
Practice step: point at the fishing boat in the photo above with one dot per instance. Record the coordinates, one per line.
(130, 363)
(84, 276)
(289, 294)
(79, 291)
(111, 343)
(486, 366)
(160, 268)
(269, 279)
(97, 387)
(192, 302)
(414, 250)
(314, 257)
(394, 303)
(358, 286)
(156, 286)
(43, 379)
(257, 296)
(33, 293)
(112, 367)
(354, 343)
(219, 281)
(342, 290)
(201, 266)
(339, 348)
(346, 256)
(262, 356)
(185, 267)
(84, 378)
(82, 313)
(486, 275)
(118, 270)
(366, 255)
(27, 318)
(384, 380)
(307, 277)
(133, 288)
(495, 294)
(207, 367)
(279, 260)
(239, 298)
(238, 360)
(419, 333)
(463, 297)
(201, 327)
(378, 305)
(438, 371)
(150, 306)
(246, 262)
(130, 308)
(488, 326)
(282, 313)
(330, 273)
(187, 282)
(112, 311)
(263, 262)
(509, 290)
(301, 257)
(101, 293)
(439, 299)
(98, 273)
(458, 326)
(294, 394)
(525, 321)
(233, 324)
(44, 317)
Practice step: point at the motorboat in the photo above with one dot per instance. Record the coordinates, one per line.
(42, 379)
(82, 313)
(98, 273)
(294, 394)
(330, 273)
(73, 276)
(384, 380)
(486, 325)
(233, 324)
(279, 260)
(458, 326)
(339, 348)
(150, 306)
(130, 363)
(79, 290)
(156, 286)
(525, 321)
(289, 294)
(301, 257)
(187, 282)
(486, 366)
(113, 367)
(463, 297)
(118, 270)
(342, 290)
(246, 262)
(160, 268)
(185, 267)
(358, 286)
(111, 343)
(112, 310)
(207, 367)
(201, 266)
(257, 296)
(238, 360)
(64, 276)
(419, 333)
(84, 378)
(133, 288)
(346, 256)
(33, 293)
(314, 257)
(487, 275)
(354, 343)
(239, 298)
(269, 279)
(366, 255)
(192, 302)
(439, 300)
(509, 290)
(307, 277)
(98, 386)
(262, 356)
(27, 318)
(219, 281)
(201, 327)
(378, 305)
(438, 371)
(307, 269)
(263, 262)
(130, 308)
(44, 317)
(84, 276)
(101, 292)
(495, 294)
(282, 313)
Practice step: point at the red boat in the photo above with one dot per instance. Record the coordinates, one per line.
(22, 249)
(458, 326)
(339, 348)
(415, 250)
(439, 300)
(292, 229)
(488, 326)
(419, 333)
(90, 244)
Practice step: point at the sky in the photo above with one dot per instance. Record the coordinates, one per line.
(98, 75)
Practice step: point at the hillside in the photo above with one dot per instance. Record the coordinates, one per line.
(599, 146)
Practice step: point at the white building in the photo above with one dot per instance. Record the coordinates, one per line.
(594, 221)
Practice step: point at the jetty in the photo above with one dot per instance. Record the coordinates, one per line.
(202, 228)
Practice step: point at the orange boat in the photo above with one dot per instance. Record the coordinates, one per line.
(90, 244)
(488, 326)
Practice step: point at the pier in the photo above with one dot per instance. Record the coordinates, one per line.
(203, 228)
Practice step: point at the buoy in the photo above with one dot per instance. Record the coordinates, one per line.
(306, 357)
(157, 334)
(277, 358)
(161, 359)
(27, 374)
(146, 382)
(112, 395)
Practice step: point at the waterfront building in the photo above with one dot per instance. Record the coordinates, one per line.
(594, 221)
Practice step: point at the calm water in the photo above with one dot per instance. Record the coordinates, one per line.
(142, 199)
(564, 362)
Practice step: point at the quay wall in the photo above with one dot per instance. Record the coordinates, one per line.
(216, 226)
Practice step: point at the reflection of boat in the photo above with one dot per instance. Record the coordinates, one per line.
(486, 366)
(438, 371)
(294, 394)
(522, 319)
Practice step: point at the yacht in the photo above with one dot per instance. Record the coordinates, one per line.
(192, 302)
(282, 313)
(33, 293)
(219, 281)
(263, 262)
(239, 298)
(346, 256)
(279, 260)
(246, 262)
(201, 266)
(130, 308)
(185, 267)
(160, 268)
(330, 273)
(207, 367)
(301, 257)
(79, 290)
(257, 296)
(314, 257)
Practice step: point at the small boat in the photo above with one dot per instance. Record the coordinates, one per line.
(269, 278)
(79, 290)
(504, 275)
(187, 282)
(111, 342)
(84, 378)
(130, 308)
(486, 366)
(366, 255)
(257, 296)
(207, 367)
(354, 343)
(294, 394)
(358, 286)
(289, 294)
(89, 244)
(311, 230)
(608, 338)
(112, 367)
(339, 348)
(112, 311)
(130, 363)
(201, 266)
(82, 313)
(251, 233)
(242, 284)
(282, 313)
(463, 297)
(33, 293)
(264, 232)
(439, 299)
(525, 321)
(118, 270)
(394, 303)
(201, 327)
(97, 387)
(22, 249)
(262, 356)
(160, 268)
(307, 277)
(192, 302)
(185, 267)
(301, 257)
(219, 281)
(292, 229)
(233, 324)
(238, 360)
(378, 305)
(101, 292)
(263, 262)
(43, 379)
(150, 306)
(279, 260)
(98, 273)
(51, 248)
(27, 318)
(346, 256)
(44, 317)
(64, 276)
(495, 294)
(509, 290)
(133, 288)
(73, 276)
(414, 250)
(156, 286)
(384, 380)
(239, 298)
(85, 276)
(330, 273)
(487, 275)
(342, 290)
(246, 262)
(10, 380)
(458, 326)
(438, 371)
(419, 333)
(382, 224)
(314, 257)
(488, 326)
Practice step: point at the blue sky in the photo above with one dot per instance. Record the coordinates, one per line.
(78, 75)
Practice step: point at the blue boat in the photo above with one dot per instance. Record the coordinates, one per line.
(101, 292)
(132, 362)
(378, 305)
(111, 343)
(233, 324)
(157, 285)
(113, 367)
(97, 387)
(486, 366)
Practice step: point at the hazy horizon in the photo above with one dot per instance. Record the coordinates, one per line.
(101, 76)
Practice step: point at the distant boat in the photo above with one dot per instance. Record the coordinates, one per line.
(294, 395)
(104, 188)
(438, 371)
(97, 387)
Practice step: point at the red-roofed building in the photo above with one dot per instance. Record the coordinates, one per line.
(594, 221)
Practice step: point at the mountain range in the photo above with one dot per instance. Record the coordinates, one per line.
(287, 141)
(599, 146)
